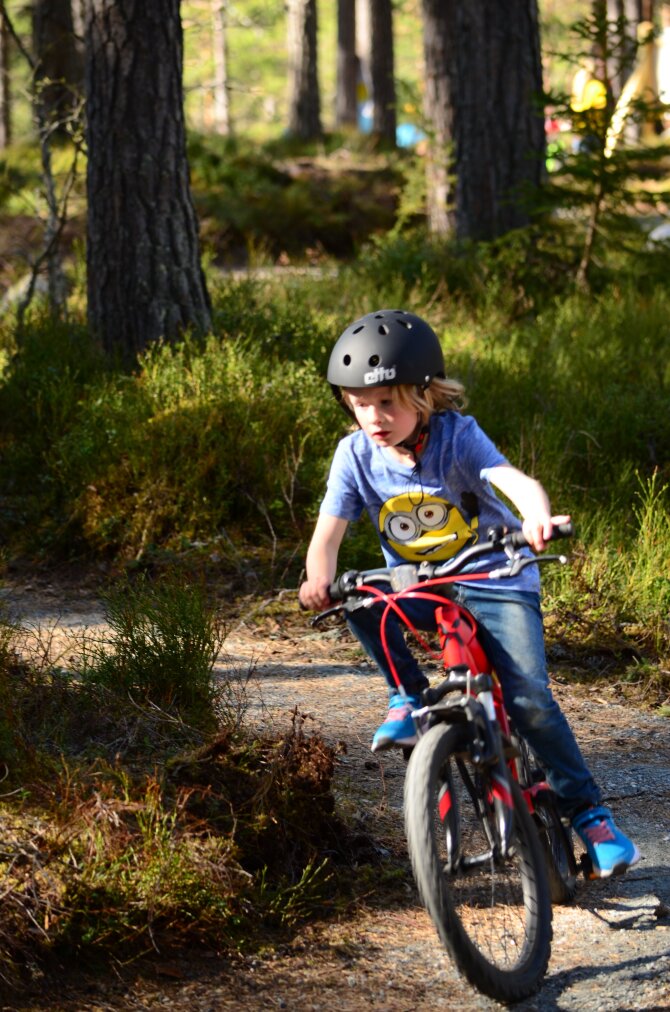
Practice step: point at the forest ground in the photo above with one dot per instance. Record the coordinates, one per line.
(611, 947)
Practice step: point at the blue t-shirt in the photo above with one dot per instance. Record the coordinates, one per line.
(431, 511)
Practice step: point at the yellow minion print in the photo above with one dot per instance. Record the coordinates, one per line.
(430, 530)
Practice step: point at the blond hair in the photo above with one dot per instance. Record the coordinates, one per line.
(440, 395)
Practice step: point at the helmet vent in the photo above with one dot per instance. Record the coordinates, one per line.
(388, 347)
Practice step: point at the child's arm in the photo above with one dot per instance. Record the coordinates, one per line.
(531, 501)
(322, 561)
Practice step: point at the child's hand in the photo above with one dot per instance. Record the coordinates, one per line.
(538, 529)
(313, 594)
(321, 562)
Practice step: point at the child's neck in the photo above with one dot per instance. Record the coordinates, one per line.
(402, 455)
(411, 449)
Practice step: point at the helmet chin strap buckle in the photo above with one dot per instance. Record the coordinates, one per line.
(416, 442)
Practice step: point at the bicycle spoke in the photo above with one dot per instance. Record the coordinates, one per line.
(491, 908)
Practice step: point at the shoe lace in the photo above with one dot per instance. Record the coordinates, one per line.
(599, 832)
(398, 711)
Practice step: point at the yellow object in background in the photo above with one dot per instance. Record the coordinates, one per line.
(587, 92)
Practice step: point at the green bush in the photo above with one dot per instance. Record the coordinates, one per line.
(273, 203)
(161, 649)
(206, 440)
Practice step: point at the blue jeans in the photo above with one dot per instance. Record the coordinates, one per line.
(511, 632)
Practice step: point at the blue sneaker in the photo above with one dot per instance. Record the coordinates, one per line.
(610, 852)
(398, 728)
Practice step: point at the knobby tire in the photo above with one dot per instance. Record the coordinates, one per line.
(555, 838)
(494, 917)
(558, 851)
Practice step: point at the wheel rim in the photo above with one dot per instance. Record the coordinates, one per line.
(489, 895)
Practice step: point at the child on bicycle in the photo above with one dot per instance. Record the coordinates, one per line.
(425, 473)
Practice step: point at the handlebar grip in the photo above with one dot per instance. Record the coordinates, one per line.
(517, 538)
(566, 530)
(344, 583)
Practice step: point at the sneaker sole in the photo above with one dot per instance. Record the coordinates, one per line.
(618, 869)
(383, 746)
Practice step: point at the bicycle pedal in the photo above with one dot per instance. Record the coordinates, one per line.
(586, 867)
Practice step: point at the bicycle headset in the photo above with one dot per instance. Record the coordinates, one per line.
(389, 347)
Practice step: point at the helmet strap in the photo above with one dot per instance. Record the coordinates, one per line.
(416, 441)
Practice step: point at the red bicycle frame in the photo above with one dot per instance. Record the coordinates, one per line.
(460, 646)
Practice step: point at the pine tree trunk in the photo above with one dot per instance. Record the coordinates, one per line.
(304, 98)
(5, 87)
(439, 113)
(346, 96)
(57, 58)
(626, 15)
(495, 86)
(382, 71)
(220, 47)
(144, 276)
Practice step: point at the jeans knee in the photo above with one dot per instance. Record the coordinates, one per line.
(534, 712)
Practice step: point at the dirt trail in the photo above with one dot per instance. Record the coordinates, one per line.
(611, 948)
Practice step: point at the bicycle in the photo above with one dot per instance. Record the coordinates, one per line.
(488, 848)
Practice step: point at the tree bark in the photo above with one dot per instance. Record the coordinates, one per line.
(438, 107)
(5, 87)
(304, 97)
(626, 15)
(347, 67)
(220, 47)
(494, 72)
(58, 66)
(382, 71)
(145, 281)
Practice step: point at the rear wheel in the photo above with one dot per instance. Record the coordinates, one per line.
(556, 839)
(492, 913)
(558, 850)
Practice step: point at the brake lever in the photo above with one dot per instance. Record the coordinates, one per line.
(562, 559)
(326, 614)
(521, 561)
(350, 604)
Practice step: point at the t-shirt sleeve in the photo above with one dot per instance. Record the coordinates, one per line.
(475, 452)
(342, 498)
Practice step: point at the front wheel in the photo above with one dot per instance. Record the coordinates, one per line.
(492, 913)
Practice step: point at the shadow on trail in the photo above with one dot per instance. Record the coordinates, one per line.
(549, 997)
(637, 903)
(649, 886)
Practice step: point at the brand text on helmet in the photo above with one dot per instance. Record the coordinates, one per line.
(379, 375)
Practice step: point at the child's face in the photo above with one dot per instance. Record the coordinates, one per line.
(381, 416)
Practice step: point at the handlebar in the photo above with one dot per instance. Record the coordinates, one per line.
(517, 539)
(403, 576)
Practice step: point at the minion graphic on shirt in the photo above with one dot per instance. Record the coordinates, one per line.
(430, 529)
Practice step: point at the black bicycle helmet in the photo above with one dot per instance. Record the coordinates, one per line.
(385, 348)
